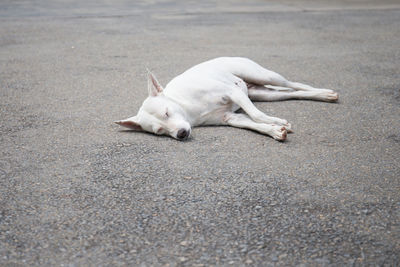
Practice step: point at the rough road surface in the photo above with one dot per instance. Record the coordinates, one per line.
(76, 190)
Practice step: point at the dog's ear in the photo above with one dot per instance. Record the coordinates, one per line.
(131, 123)
(153, 85)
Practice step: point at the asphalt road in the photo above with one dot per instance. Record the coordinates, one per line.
(76, 190)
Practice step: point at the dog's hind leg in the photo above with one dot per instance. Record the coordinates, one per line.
(262, 93)
(243, 121)
(253, 73)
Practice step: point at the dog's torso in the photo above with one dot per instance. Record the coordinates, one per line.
(203, 91)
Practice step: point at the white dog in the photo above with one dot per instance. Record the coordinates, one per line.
(211, 92)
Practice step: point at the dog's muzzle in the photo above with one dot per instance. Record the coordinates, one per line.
(182, 134)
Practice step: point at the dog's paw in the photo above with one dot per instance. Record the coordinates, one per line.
(281, 122)
(279, 133)
(288, 128)
(329, 96)
(333, 97)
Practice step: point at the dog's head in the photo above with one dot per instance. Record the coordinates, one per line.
(159, 114)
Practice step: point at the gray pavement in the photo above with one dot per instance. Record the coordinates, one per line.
(76, 190)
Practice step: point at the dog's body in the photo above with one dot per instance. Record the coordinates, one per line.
(211, 92)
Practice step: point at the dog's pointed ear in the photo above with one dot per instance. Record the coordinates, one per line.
(131, 123)
(153, 86)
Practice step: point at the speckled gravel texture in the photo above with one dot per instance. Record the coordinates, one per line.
(76, 190)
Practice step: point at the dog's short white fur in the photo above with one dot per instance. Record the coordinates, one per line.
(210, 93)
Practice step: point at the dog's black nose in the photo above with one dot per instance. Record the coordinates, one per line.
(182, 134)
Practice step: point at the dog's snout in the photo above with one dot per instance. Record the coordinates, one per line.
(182, 134)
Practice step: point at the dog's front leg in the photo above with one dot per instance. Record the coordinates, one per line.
(243, 121)
(243, 101)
